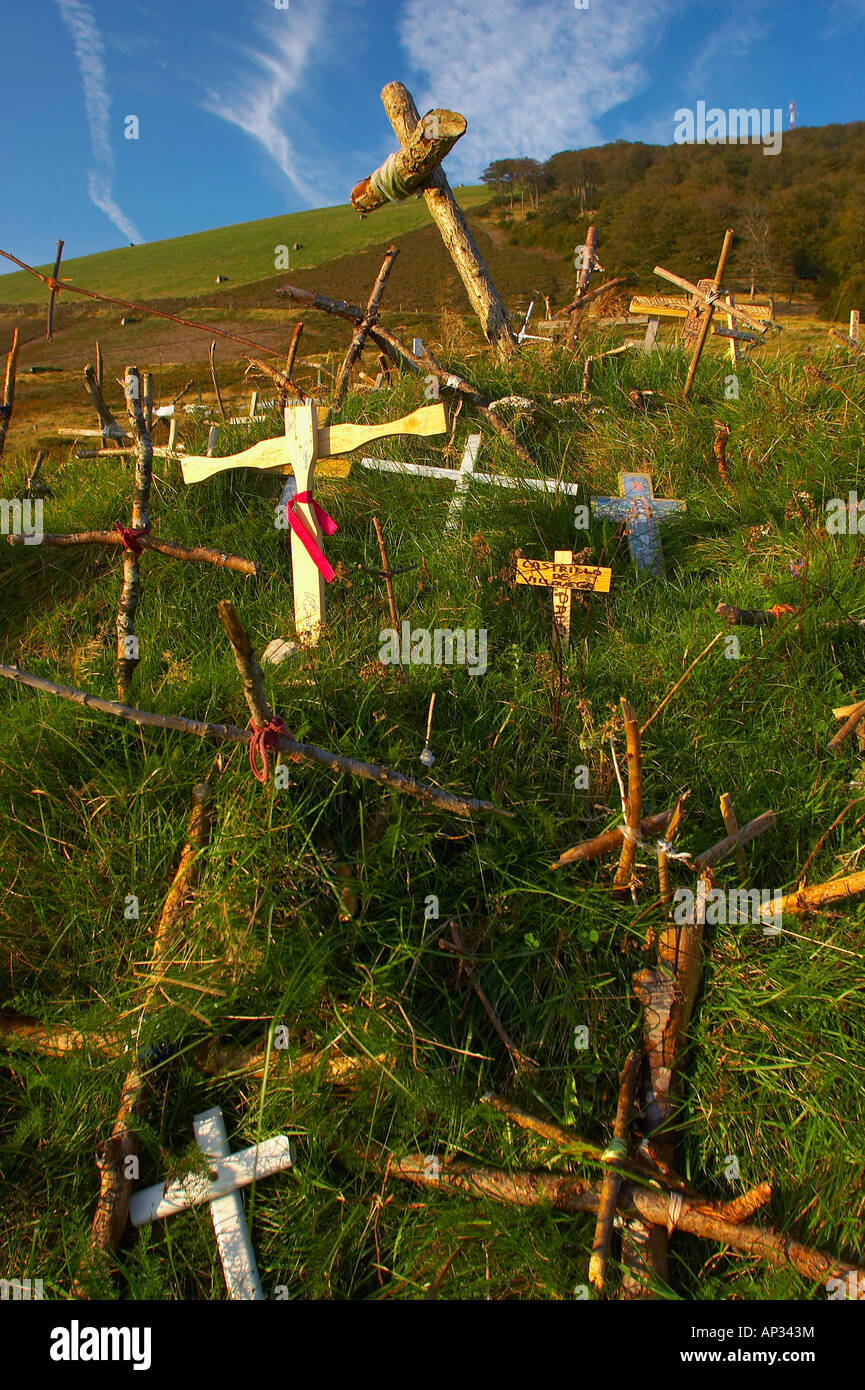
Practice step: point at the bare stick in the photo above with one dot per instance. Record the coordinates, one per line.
(612, 1181)
(109, 1220)
(817, 896)
(712, 856)
(731, 825)
(567, 1192)
(666, 893)
(634, 802)
(609, 841)
(247, 664)
(425, 363)
(8, 389)
(100, 366)
(175, 551)
(590, 263)
(517, 1057)
(847, 728)
(386, 574)
(55, 286)
(451, 222)
(679, 683)
(823, 838)
(359, 336)
(215, 380)
(708, 313)
(109, 427)
(229, 733)
(127, 653)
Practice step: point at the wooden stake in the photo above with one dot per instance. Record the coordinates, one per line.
(708, 313)
(610, 840)
(109, 1220)
(612, 1181)
(127, 645)
(108, 426)
(247, 664)
(732, 827)
(8, 389)
(49, 330)
(634, 802)
(360, 333)
(448, 216)
(213, 377)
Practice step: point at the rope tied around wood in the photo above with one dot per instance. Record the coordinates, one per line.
(387, 183)
(130, 537)
(264, 737)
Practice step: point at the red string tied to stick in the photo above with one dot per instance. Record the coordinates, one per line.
(131, 536)
(305, 536)
(264, 736)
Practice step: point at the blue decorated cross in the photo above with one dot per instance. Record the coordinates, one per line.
(640, 511)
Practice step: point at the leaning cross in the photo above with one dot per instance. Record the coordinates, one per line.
(417, 165)
(562, 576)
(297, 452)
(233, 1171)
(639, 508)
(707, 295)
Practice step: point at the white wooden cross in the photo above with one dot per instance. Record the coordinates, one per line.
(234, 1170)
(639, 508)
(562, 576)
(462, 476)
(297, 452)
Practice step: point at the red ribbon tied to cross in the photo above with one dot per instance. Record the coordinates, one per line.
(131, 536)
(305, 536)
(264, 736)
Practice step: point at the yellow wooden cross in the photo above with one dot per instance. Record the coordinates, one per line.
(298, 452)
(562, 576)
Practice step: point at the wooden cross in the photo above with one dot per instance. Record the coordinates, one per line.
(233, 1171)
(137, 537)
(638, 507)
(562, 576)
(461, 477)
(297, 452)
(417, 165)
(706, 295)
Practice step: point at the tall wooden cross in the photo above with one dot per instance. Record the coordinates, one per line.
(706, 297)
(304, 446)
(640, 510)
(233, 1171)
(562, 576)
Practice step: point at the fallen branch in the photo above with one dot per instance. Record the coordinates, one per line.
(517, 1057)
(566, 1192)
(228, 733)
(355, 347)
(817, 896)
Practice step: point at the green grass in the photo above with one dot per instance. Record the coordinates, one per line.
(245, 253)
(92, 810)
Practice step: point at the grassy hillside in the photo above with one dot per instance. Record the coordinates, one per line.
(92, 810)
(799, 215)
(187, 266)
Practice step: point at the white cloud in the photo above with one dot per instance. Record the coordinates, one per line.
(530, 78)
(90, 52)
(257, 102)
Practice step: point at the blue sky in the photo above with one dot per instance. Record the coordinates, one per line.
(247, 110)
